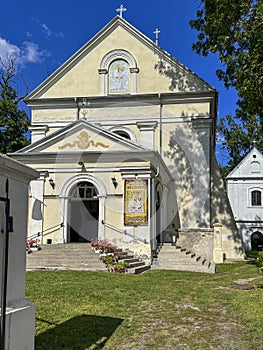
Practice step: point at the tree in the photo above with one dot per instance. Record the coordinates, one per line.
(234, 30)
(14, 122)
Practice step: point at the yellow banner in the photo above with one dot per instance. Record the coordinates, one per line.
(136, 203)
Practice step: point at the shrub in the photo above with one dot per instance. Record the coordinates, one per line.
(121, 267)
(113, 264)
(259, 262)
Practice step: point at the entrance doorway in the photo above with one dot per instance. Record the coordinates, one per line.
(83, 213)
(256, 241)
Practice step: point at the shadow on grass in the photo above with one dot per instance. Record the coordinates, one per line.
(78, 333)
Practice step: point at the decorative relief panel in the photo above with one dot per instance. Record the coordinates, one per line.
(84, 142)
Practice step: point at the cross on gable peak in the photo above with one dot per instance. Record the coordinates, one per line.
(156, 32)
(121, 9)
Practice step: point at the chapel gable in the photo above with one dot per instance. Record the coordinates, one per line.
(251, 166)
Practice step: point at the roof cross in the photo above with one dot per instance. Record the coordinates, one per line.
(121, 10)
(156, 32)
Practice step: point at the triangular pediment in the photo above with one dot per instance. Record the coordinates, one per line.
(157, 70)
(81, 136)
(250, 167)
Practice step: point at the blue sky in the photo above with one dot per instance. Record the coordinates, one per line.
(44, 34)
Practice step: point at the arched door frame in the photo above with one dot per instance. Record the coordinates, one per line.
(259, 233)
(65, 197)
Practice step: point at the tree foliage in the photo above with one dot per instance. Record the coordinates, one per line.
(234, 30)
(14, 122)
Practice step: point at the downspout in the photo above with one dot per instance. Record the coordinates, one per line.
(213, 113)
(160, 129)
(153, 229)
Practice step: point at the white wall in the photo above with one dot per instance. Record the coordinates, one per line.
(246, 177)
(20, 315)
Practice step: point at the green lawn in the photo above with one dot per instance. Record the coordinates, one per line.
(155, 310)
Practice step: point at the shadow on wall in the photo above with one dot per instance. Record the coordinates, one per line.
(190, 170)
(81, 332)
(181, 78)
(221, 209)
(245, 236)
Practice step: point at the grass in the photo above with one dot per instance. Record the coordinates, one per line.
(253, 254)
(156, 310)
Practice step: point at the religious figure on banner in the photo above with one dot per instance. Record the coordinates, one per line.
(136, 204)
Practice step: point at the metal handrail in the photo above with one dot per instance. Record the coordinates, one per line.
(41, 233)
(125, 232)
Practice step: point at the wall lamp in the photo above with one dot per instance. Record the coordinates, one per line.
(52, 183)
(114, 181)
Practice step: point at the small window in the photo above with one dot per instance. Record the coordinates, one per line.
(256, 198)
(255, 167)
(84, 190)
(122, 134)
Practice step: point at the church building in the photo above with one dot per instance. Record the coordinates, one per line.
(245, 192)
(123, 136)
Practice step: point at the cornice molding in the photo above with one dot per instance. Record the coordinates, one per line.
(124, 100)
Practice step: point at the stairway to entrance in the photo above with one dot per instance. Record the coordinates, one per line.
(171, 257)
(77, 256)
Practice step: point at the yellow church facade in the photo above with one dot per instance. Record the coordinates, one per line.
(123, 136)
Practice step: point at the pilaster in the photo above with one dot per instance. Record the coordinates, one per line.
(38, 132)
(147, 130)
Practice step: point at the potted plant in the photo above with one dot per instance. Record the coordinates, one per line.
(32, 245)
(102, 247)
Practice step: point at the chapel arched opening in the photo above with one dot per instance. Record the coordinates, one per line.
(256, 241)
(83, 213)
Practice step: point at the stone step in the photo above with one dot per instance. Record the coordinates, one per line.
(170, 257)
(77, 256)
(125, 257)
(136, 264)
(72, 256)
(184, 267)
(130, 260)
(139, 269)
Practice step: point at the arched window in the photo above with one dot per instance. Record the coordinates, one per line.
(256, 198)
(124, 132)
(84, 190)
(118, 71)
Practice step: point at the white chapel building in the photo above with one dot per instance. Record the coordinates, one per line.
(123, 136)
(245, 192)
